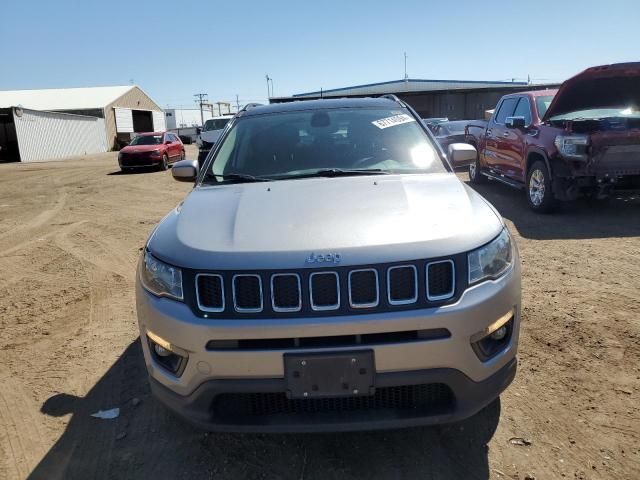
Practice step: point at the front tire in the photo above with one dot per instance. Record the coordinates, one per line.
(165, 162)
(183, 155)
(539, 192)
(475, 175)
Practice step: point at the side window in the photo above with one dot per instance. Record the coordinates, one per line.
(523, 110)
(173, 137)
(506, 109)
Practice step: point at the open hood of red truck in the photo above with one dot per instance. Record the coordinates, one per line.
(607, 86)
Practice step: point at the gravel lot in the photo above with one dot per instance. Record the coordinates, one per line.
(70, 235)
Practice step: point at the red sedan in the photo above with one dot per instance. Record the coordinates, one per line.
(153, 149)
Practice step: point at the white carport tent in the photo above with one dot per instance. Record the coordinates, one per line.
(126, 102)
(53, 136)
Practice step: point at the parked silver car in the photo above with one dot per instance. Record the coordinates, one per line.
(329, 272)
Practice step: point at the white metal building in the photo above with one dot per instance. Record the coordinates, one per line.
(121, 110)
(185, 117)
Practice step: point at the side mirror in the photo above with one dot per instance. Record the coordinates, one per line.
(167, 142)
(515, 122)
(462, 154)
(198, 130)
(185, 170)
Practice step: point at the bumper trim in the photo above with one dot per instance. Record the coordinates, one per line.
(470, 398)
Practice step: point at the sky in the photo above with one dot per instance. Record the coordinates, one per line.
(174, 49)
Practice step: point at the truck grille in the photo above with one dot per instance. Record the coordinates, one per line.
(343, 290)
(433, 397)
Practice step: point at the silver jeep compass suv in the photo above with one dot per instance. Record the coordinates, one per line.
(329, 272)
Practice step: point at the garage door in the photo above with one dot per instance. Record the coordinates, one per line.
(124, 120)
(158, 122)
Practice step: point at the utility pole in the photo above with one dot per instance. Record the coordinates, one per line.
(237, 103)
(201, 98)
(406, 77)
(269, 92)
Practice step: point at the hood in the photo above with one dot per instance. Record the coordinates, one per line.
(607, 86)
(140, 148)
(278, 225)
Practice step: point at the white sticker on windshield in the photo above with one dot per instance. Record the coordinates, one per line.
(392, 121)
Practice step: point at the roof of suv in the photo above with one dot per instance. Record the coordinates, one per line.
(320, 104)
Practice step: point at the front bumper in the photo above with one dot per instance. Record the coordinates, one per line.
(470, 398)
(140, 162)
(449, 361)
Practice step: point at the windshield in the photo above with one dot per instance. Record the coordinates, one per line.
(597, 113)
(288, 145)
(215, 124)
(147, 140)
(543, 103)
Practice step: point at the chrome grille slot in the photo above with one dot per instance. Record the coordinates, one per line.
(402, 284)
(440, 280)
(247, 293)
(286, 293)
(210, 292)
(363, 288)
(325, 290)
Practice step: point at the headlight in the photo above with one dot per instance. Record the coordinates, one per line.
(159, 278)
(572, 146)
(156, 153)
(492, 260)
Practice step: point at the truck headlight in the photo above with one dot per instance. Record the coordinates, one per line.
(572, 146)
(492, 260)
(159, 278)
(156, 153)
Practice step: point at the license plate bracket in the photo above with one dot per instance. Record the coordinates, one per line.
(326, 375)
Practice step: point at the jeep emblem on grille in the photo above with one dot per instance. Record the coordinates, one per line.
(326, 258)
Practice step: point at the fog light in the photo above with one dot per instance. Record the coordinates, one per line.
(495, 338)
(161, 351)
(500, 333)
(168, 356)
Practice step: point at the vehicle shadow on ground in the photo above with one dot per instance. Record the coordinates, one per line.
(146, 441)
(582, 219)
(137, 171)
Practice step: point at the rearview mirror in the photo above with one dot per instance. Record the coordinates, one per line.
(185, 170)
(515, 122)
(462, 154)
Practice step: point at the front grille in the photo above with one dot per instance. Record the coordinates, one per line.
(325, 291)
(432, 398)
(286, 295)
(440, 280)
(363, 288)
(402, 284)
(341, 290)
(210, 292)
(247, 293)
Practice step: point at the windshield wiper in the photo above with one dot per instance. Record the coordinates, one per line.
(339, 172)
(240, 178)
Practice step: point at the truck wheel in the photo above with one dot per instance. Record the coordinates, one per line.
(474, 172)
(539, 192)
(165, 162)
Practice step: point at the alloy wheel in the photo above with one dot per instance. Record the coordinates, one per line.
(536, 187)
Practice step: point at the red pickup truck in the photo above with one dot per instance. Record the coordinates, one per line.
(582, 139)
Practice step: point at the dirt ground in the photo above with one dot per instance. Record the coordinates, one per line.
(70, 235)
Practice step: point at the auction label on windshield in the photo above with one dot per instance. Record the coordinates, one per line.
(392, 121)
